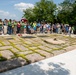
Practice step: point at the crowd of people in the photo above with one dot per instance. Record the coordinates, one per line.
(21, 27)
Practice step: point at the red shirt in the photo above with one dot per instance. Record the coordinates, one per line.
(18, 25)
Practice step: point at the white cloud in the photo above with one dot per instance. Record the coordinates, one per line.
(23, 6)
(3, 13)
(6, 14)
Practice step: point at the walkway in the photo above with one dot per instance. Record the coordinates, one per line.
(63, 64)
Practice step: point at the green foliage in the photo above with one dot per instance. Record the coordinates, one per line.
(46, 10)
(73, 14)
(42, 11)
(2, 58)
(29, 14)
(67, 13)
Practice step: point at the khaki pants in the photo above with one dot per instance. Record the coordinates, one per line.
(5, 30)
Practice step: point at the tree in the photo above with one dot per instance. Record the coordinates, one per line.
(67, 14)
(29, 14)
(42, 11)
(73, 14)
(64, 13)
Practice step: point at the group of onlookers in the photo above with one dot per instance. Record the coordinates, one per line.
(15, 27)
(57, 28)
(12, 26)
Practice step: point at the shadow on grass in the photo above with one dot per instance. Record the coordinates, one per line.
(35, 69)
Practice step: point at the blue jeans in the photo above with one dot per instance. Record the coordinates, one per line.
(0, 28)
(56, 30)
(9, 29)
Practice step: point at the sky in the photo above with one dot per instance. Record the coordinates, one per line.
(13, 9)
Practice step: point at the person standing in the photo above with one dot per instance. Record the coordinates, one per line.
(10, 27)
(58, 28)
(44, 28)
(18, 27)
(5, 23)
(38, 27)
(1, 26)
(69, 31)
(35, 26)
(25, 28)
(72, 30)
(22, 26)
(15, 27)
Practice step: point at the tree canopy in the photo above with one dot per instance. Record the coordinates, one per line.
(47, 10)
(42, 11)
(67, 13)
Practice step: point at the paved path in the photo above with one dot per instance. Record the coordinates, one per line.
(63, 64)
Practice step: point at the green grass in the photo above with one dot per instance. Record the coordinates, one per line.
(2, 58)
(36, 52)
(2, 43)
(14, 46)
(19, 55)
